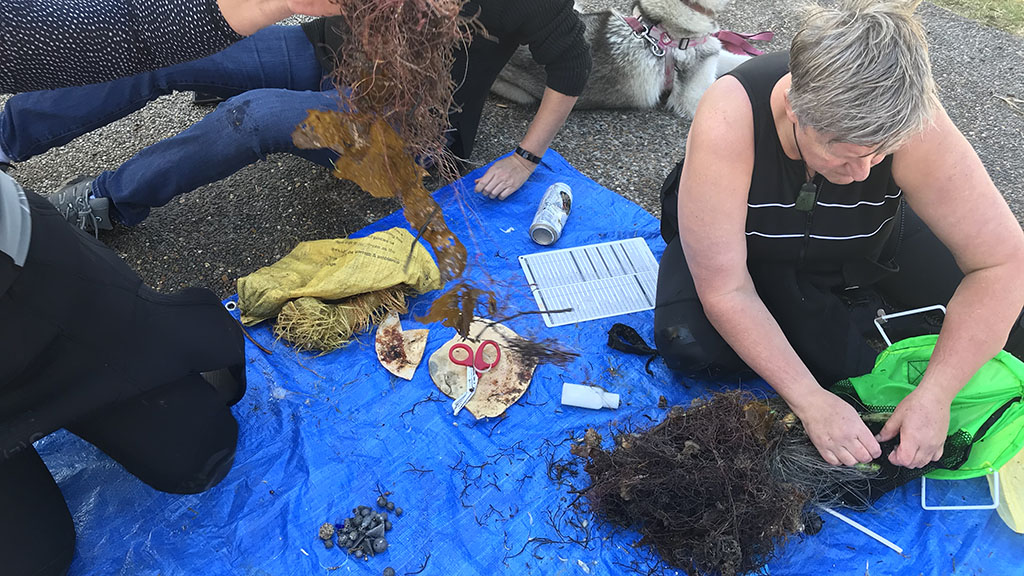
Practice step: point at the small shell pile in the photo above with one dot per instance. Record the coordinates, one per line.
(364, 534)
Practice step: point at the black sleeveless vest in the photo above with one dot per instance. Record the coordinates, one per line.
(846, 223)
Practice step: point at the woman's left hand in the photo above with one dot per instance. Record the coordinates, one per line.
(504, 177)
(922, 422)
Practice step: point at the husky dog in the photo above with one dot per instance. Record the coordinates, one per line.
(664, 51)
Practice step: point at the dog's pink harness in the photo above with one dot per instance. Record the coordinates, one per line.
(659, 40)
(661, 43)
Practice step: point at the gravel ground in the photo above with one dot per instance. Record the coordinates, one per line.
(230, 228)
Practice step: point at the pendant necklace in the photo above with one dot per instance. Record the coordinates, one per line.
(808, 193)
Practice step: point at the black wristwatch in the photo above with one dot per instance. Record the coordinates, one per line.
(528, 155)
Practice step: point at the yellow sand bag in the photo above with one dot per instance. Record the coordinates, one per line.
(1011, 493)
(334, 269)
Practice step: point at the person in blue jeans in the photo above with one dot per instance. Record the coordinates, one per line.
(147, 378)
(275, 71)
(271, 80)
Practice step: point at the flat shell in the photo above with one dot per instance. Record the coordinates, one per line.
(498, 388)
(400, 351)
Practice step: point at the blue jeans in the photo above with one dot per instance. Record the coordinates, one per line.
(277, 79)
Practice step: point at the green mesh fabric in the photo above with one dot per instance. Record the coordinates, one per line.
(986, 417)
(954, 454)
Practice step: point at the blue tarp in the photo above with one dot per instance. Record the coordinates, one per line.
(321, 435)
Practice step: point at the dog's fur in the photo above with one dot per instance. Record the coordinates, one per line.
(626, 73)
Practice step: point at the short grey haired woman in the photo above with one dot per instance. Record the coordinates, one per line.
(819, 186)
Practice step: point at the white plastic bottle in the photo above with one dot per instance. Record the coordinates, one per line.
(592, 397)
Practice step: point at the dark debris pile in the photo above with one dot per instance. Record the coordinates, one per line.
(699, 486)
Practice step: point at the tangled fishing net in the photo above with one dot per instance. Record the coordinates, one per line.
(395, 64)
(714, 488)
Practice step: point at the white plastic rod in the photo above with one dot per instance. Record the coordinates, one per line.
(588, 397)
(863, 529)
(882, 319)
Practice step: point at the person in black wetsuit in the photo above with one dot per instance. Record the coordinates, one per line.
(825, 175)
(84, 344)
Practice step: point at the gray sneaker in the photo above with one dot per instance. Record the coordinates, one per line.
(74, 204)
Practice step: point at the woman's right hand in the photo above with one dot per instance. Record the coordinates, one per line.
(314, 7)
(837, 431)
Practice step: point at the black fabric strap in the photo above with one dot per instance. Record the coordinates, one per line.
(625, 339)
(528, 155)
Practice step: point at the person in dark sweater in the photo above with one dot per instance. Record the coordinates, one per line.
(271, 80)
(824, 177)
(49, 44)
(86, 346)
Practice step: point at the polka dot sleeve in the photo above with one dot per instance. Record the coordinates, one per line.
(54, 43)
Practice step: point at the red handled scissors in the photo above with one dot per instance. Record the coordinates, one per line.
(476, 364)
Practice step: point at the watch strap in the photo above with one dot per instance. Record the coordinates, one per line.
(527, 154)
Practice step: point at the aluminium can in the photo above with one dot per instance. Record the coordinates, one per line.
(551, 215)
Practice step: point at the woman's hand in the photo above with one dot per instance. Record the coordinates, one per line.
(314, 7)
(504, 177)
(837, 431)
(921, 421)
(248, 16)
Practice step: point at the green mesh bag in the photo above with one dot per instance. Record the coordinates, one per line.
(986, 427)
